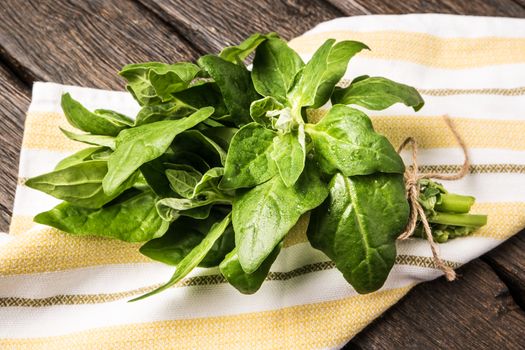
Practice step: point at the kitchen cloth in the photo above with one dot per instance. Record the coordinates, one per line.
(63, 292)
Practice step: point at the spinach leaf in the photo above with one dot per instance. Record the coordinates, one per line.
(142, 144)
(133, 219)
(78, 157)
(249, 162)
(236, 54)
(205, 192)
(96, 140)
(195, 141)
(358, 224)
(164, 111)
(144, 78)
(187, 158)
(185, 234)
(259, 110)
(263, 215)
(274, 68)
(79, 184)
(154, 175)
(235, 85)
(326, 67)
(204, 95)
(289, 155)
(246, 283)
(117, 117)
(183, 181)
(220, 248)
(95, 123)
(194, 257)
(172, 78)
(377, 93)
(221, 135)
(344, 140)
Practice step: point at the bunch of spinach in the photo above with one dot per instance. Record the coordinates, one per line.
(221, 162)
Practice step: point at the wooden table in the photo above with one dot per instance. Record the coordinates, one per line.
(86, 42)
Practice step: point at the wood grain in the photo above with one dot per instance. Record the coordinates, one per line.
(472, 7)
(14, 100)
(508, 261)
(474, 312)
(84, 42)
(211, 25)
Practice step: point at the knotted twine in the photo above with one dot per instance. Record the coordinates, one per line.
(412, 177)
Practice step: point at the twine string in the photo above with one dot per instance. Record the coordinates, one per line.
(412, 177)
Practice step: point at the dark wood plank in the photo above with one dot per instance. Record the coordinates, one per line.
(211, 25)
(473, 7)
(14, 100)
(508, 261)
(84, 42)
(474, 312)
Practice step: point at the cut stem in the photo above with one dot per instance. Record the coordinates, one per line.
(455, 203)
(455, 219)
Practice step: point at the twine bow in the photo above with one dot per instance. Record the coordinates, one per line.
(412, 177)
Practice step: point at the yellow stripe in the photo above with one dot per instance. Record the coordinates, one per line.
(320, 325)
(430, 131)
(425, 49)
(41, 131)
(202, 280)
(517, 91)
(47, 249)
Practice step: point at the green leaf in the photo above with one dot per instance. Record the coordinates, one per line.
(260, 108)
(274, 68)
(246, 283)
(96, 140)
(235, 54)
(95, 123)
(154, 174)
(185, 234)
(345, 140)
(183, 181)
(144, 78)
(142, 144)
(220, 248)
(172, 78)
(116, 117)
(326, 67)
(132, 219)
(194, 257)
(221, 135)
(195, 141)
(263, 215)
(235, 85)
(377, 93)
(249, 162)
(204, 95)
(78, 157)
(289, 155)
(165, 111)
(358, 224)
(79, 184)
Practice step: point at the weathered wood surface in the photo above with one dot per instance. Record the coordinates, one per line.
(211, 25)
(474, 312)
(14, 100)
(86, 42)
(508, 8)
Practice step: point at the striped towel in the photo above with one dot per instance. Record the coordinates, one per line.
(59, 291)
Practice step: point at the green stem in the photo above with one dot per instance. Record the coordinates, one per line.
(458, 219)
(455, 203)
